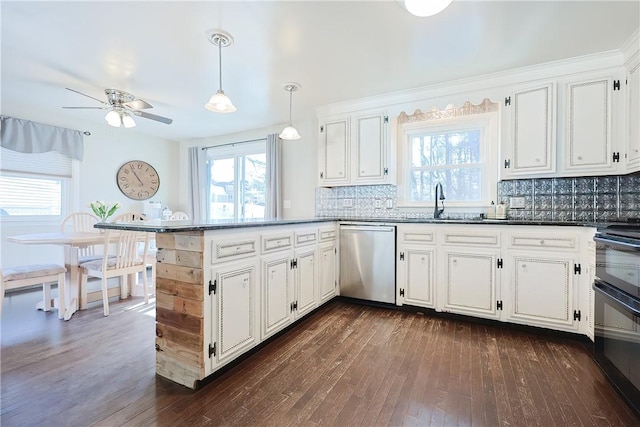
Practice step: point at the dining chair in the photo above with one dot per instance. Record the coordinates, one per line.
(176, 216)
(120, 260)
(35, 274)
(82, 222)
(151, 250)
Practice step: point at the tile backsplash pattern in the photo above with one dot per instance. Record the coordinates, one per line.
(599, 198)
(588, 199)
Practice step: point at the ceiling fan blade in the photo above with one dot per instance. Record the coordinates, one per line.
(138, 104)
(88, 96)
(86, 108)
(153, 117)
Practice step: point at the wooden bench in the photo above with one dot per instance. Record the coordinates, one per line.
(26, 275)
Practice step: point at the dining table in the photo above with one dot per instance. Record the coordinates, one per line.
(72, 242)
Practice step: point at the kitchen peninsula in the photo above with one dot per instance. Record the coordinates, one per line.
(224, 287)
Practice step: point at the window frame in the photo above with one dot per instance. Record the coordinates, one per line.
(487, 123)
(237, 152)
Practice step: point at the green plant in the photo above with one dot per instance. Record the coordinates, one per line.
(104, 210)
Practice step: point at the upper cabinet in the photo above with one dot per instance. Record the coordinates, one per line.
(354, 149)
(592, 124)
(633, 119)
(530, 142)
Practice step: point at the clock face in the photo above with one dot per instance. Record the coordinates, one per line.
(138, 180)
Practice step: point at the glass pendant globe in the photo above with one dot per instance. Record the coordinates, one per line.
(128, 121)
(220, 103)
(424, 8)
(113, 118)
(289, 133)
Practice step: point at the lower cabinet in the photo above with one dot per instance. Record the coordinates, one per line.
(235, 309)
(305, 281)
(532, 275)
(470, 281)
(277, 293)
(328, 263)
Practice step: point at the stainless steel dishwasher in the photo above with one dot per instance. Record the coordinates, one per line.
(368, 262)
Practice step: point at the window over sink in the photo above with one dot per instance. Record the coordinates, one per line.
(456, 147)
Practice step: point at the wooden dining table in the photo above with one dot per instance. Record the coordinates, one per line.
(72, 242)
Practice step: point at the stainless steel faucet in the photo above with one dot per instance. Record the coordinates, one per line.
(439, 196)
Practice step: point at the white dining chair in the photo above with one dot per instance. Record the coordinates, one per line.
(82, 222)
(121, 260)
(151, 250)
(177, 216)
(35, 274)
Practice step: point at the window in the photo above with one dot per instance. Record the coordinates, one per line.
(459, 153)
(237, 181)
(34, 186)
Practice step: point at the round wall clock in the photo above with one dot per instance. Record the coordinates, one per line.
(138, 180)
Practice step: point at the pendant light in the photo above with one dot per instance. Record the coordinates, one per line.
(290, 133)
(219, 102)
(424, 8)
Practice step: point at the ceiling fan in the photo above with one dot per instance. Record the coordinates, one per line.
(121, 106)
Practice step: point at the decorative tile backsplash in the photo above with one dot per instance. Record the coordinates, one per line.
(602, 198)
(599, 198)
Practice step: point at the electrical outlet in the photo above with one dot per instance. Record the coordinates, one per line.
(516, 202)
(377, 203)
(389, 203)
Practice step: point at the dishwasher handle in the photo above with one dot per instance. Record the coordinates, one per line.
(367, 228)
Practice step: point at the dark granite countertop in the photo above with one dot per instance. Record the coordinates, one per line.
(187, 225)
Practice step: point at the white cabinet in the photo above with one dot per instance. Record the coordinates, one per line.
(416, 266)
(541, 289)
(530, 145)
(470, 281)
(277, 297)
(354, 149)
(633, 120)
(328, 263)
(235, 303)
(591, 108)
(305, 281)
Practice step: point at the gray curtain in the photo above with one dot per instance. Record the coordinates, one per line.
(273, 185)
(198, 189)
(25, 136)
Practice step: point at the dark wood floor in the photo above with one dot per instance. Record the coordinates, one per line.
(343, 365)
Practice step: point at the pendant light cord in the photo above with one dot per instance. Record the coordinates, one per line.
(290, 102)
(220, 60)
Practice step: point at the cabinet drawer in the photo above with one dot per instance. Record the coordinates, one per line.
(460, 237)
(230, 249)
(306, 237)
(276, 242)
(543, 241)
(417, 236)
(328, 234)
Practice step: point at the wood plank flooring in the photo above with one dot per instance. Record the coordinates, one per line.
(343, 365)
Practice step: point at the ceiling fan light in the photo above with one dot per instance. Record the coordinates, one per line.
(113, 118)
(128, 121)
(289, 133)
(424, 8)
(220, 103)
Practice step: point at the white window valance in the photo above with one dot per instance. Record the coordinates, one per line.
(26, 136)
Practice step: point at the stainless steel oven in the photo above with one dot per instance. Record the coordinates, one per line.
(617, 308)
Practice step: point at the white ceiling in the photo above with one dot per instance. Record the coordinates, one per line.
(337, 51)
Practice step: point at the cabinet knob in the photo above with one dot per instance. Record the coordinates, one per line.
(537, 160)
(339, 173)
(361, 171)
(542, 242)
(579, 157)
(524, 265)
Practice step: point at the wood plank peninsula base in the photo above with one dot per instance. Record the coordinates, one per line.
(180, 307)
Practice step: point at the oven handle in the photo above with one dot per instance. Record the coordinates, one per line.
(616, 242)
(605, 289)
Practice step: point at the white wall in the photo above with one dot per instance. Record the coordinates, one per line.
(299, 165)
(104, 152)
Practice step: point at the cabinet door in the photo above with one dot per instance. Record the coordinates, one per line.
(334, 152)
(587, 122)
(541, 290)
(305, 277)
(470, 281)
(531, 146)
(327, 271)
(370, 140)
(236, 303)
(277, 293)
(416, 276)
(633, 120)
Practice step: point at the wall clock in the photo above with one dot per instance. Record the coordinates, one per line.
(138, 180)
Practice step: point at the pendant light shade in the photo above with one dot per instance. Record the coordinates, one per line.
(219, 102)
(424, 8)
(290, 133)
